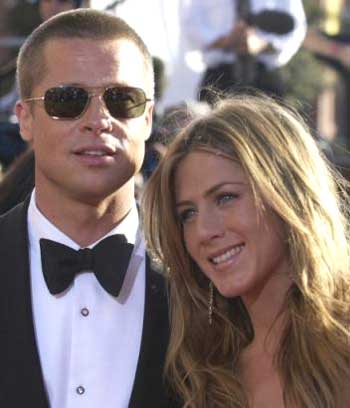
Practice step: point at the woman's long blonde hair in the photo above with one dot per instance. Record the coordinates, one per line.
(288, 175)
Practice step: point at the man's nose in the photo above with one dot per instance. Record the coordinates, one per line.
(97, 118)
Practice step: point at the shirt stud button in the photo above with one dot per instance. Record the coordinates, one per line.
(84, 311)
(80, 390)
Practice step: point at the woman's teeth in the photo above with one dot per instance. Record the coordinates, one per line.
(227, 255)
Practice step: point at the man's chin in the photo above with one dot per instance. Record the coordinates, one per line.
(100, 193)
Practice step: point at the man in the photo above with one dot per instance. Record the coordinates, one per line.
(77, 338)
(235, 51)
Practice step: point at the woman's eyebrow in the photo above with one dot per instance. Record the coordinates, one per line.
(210, 191)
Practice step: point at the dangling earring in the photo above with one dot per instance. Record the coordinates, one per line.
(210, 302)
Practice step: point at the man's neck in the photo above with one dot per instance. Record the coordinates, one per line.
(86, 221)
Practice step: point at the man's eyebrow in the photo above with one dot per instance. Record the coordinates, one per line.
(86, 86)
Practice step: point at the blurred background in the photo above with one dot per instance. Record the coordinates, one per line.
(317, 77)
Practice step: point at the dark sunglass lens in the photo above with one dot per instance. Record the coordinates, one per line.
(66, 102)
(125, 103)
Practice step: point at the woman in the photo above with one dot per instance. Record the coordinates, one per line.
(248, 219)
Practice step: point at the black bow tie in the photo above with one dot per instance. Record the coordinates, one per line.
(109, 260)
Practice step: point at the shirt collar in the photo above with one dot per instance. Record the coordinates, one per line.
(40, 227)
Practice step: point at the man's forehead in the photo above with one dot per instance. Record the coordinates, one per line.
(75, 52)
(74, 43)
(114, 51)
(104, 61)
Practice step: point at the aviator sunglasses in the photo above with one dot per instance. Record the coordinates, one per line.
(71, 102)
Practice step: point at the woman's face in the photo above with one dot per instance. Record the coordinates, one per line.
(242, 252)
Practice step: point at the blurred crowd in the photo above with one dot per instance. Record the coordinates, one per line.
(295, 50)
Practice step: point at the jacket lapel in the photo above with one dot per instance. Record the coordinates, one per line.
(21, 381)
(149, 388)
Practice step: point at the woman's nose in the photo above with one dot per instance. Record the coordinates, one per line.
(210, 225)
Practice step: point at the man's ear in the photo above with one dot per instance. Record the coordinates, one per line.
(25, 119)
(149, 119)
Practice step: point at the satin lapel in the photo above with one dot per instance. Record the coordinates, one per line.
(149, 389)
(21, 381)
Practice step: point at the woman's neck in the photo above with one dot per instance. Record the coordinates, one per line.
(266, 308)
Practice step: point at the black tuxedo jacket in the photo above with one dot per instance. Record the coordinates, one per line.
(21, 378)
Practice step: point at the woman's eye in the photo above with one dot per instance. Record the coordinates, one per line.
(226, 197)
(186, 215)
